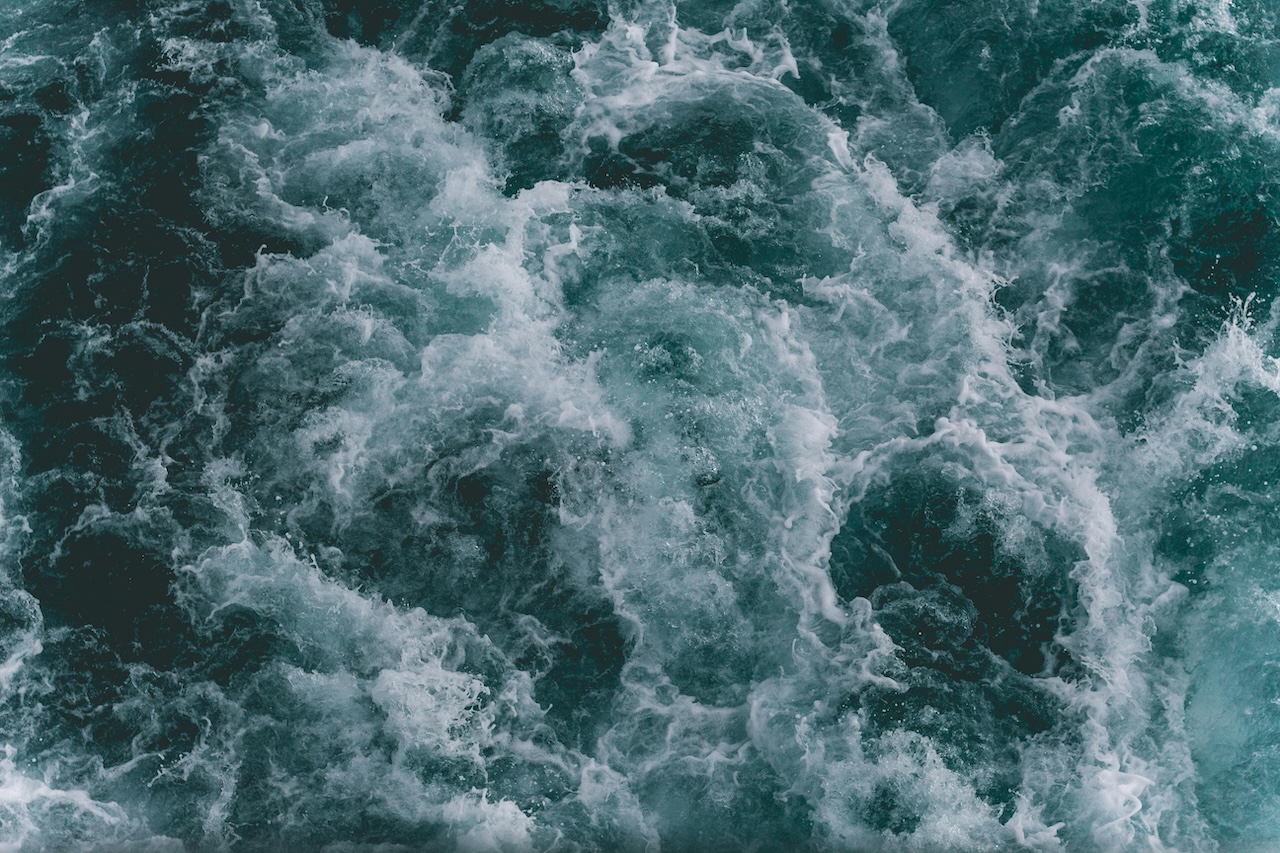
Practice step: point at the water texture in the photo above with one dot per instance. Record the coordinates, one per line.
(625, 425)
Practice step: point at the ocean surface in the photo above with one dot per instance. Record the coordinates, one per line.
(626, 425)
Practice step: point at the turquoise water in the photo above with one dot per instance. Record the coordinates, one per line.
(618, 425)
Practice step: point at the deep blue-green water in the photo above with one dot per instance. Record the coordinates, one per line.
(625, 425)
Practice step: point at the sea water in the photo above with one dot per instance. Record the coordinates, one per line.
(626, 425)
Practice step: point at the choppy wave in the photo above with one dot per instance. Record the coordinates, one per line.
(571, 425)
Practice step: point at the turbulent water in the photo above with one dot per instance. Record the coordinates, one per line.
(617, 425)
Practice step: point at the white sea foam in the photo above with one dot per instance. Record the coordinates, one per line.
(526, 499)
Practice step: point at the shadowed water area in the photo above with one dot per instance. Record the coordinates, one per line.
(624, 425)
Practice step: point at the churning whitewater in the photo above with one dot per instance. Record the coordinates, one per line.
(626, 425)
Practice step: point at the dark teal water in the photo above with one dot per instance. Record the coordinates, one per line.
(611, 425)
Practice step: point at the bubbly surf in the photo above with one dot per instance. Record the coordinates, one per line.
(608, 425)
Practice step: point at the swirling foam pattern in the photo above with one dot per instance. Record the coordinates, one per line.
(634, 425)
